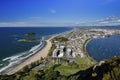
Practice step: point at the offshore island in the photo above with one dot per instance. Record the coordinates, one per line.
(29, 37)
(64, 57)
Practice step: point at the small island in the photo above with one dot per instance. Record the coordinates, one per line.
(29, 37)
(30, 34)
(28, 40)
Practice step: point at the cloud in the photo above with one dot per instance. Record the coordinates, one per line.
(35, 17)
(118, 21)
(23, 24)
(103, 22)
(15, 24)
(111, 19)
(53, 11)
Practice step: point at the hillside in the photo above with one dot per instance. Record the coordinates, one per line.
(104, 70)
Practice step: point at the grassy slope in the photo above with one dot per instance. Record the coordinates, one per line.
(110, 70)
(66, 70)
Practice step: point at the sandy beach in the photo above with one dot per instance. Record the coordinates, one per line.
(35, 57)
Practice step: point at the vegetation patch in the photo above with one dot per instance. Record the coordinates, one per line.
(51, 50)
(28, 40)
(30, 34)
(110, 70)
(60, 39)
(68, 68)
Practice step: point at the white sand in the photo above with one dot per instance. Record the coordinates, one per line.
(42, 53)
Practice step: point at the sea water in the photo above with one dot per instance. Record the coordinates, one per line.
(13, 52)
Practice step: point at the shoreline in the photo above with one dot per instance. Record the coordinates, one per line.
(9, 68)
(86, 52)
(37, 55)
(80, 37)
(41, 53)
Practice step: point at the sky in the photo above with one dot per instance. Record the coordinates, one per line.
(59, 12)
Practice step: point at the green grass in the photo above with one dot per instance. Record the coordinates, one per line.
(31, 76)
(66, 70)
(84, 63)
(60, 39)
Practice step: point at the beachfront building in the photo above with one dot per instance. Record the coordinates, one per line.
(62, 45)
(69, 52)
(61, 54)
(74, 54)
(54, 54)
(82, 55)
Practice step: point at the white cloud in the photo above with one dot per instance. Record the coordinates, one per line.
(111, 19)
(118, 21)
(53, 11)
(22, 24)
(104, 22)
(15, 24)
(35, 17)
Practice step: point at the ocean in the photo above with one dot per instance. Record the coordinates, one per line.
(13, 52)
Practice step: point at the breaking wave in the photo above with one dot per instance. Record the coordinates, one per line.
(17, 59)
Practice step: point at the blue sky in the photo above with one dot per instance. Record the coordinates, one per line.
(59, 12)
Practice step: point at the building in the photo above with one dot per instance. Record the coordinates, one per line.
(54, 54)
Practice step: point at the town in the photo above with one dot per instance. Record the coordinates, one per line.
(77, 41)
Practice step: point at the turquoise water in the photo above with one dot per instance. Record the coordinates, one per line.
(104, 48)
